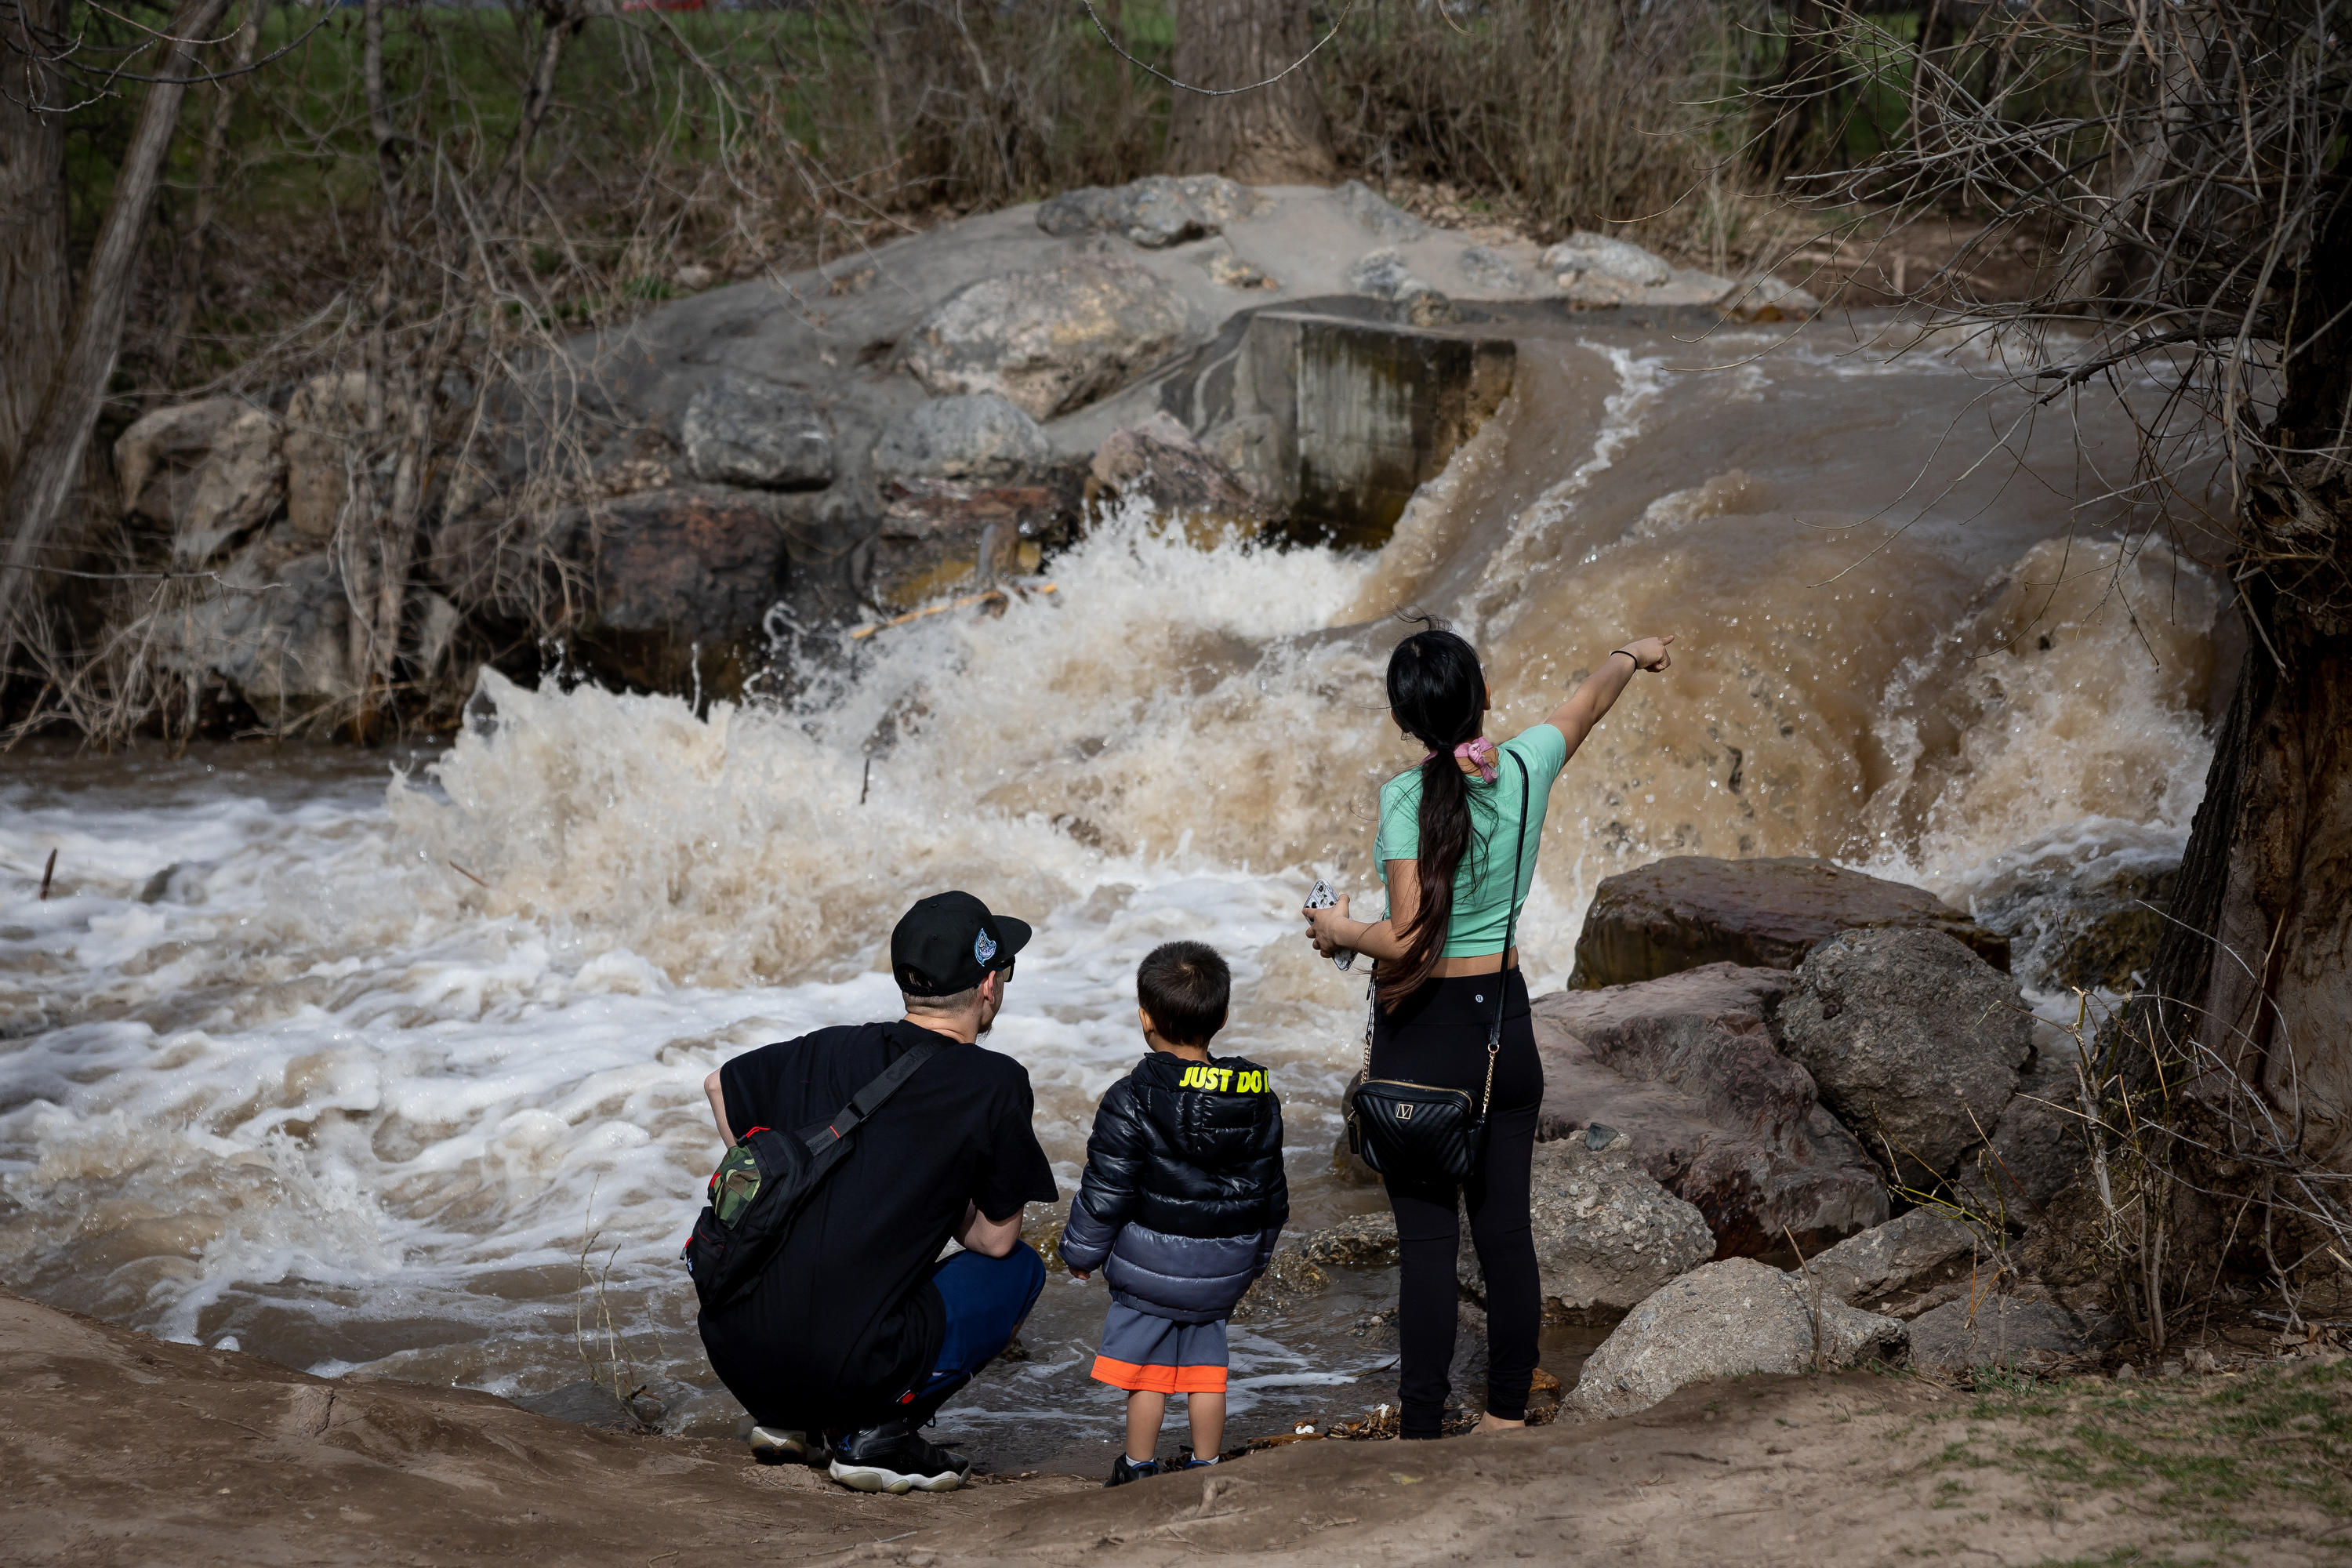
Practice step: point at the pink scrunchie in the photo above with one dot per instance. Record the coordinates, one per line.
(1480, 755)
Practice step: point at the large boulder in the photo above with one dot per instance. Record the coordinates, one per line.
(1585, 253)
(1687, 1065)
(276, 628)
(1606, 1235)
(1156, 460)
(1723, 1320)
(750, 430)
(2003, 1331)
(982, 438)
(323, 420)
(213, 471)
(1914, 1042)
(2036, 1149)
(1377, 213)
(1051, 340)
(1689, 910)
(1886, 1258)
(1155, 212)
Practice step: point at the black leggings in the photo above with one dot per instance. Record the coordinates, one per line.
(1438, 1035)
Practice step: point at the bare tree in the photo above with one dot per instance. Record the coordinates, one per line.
(1274, 132)
(2194, 155)
(36, 276)
(42, 479)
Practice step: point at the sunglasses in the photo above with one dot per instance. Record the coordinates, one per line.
(1005, 969)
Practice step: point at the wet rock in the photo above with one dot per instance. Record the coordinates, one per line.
(1155, 212)
(2071, 928)
(1889, 1257)
(1289, 1279)
(982, 438)
(1367, 1241)
(213, 471)
(1686, 1064)
(1766, 298)
(1689, 910)
(1051, 340)
(2002, 1330)
(1158, 460)
(1377, 213)
(2036, 1149)
(748, 430)
(1722, 1321)
(1914, 1042)
(939, 538)
(1606, 1234)
(322, 418)
(1586, 254)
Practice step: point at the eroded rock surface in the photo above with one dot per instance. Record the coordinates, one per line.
(2070, 927)
(212, 472)
(1585, 253)
(982, 438)
(1914, 1042)
(1606, 1234)
(1888, 1257)
(1721, 1320)
(1155, 212)
(2036, 1149)
(1688, 910)
(1367, 1241)
(1718, 1116)
(1156, 460)
(1047, 340)
(748, 430)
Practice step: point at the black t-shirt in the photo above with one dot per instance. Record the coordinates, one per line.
(847, 1319)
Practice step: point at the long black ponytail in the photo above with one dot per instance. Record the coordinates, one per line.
(1439, 695)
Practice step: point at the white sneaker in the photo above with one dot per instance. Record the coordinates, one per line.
(891, 1459)
(783, 1446)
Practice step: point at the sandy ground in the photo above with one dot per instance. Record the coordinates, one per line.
(119, 1448)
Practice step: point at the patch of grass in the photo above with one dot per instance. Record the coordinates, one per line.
(2256, 1452)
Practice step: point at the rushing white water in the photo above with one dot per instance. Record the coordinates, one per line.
(349, 1073)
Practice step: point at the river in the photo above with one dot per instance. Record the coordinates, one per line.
(343, 1057)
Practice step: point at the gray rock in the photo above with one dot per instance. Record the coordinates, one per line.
(982, 437)
(1367, 1241)
(1154, 212)
(1158, 458)
(1718, 1116)
(1585, 254)
(322, 418)
(1606, 1234)
(2036, 1149)
(1051, 340)
(1377, 213)
(1722, 1321)
(1914, 1042)
(276, 628)
(1492, 270)
(1383, 275)
(2002, 1330)
(1888, 1257)
(222, 468)
(748, 430)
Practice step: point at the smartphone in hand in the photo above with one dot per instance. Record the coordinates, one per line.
(1323, 897)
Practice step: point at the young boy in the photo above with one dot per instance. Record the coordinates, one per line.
(1183, 1199)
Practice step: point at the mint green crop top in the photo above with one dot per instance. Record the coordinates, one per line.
(1482, 885)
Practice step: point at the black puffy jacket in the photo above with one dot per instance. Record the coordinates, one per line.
(1183, 1194)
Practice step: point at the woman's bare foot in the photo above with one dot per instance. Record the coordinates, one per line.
(1489, 1422)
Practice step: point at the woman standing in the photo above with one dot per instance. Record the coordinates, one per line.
(1446, 834)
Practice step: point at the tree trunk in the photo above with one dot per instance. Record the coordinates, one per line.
(2259, 968)
(1274, 136)
(50, 461)
(35, 270)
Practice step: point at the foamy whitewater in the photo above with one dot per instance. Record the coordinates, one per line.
(348, 1073)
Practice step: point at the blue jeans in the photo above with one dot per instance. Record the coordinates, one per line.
(987, 1299)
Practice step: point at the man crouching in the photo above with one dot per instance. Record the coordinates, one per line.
(853, 1335)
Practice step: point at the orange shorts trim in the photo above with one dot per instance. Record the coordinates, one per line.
(1158, 1379)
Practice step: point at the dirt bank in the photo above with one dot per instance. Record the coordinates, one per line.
(119, 1448)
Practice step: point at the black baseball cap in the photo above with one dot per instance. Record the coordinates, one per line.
(948, 941)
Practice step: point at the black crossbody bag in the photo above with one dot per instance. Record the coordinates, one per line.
(1418, 1132)
(769, 1177)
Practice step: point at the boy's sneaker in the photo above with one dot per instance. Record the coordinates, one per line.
(1127, 1470)
(783, 1446)
(1194, 1463)
(891, 1458)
